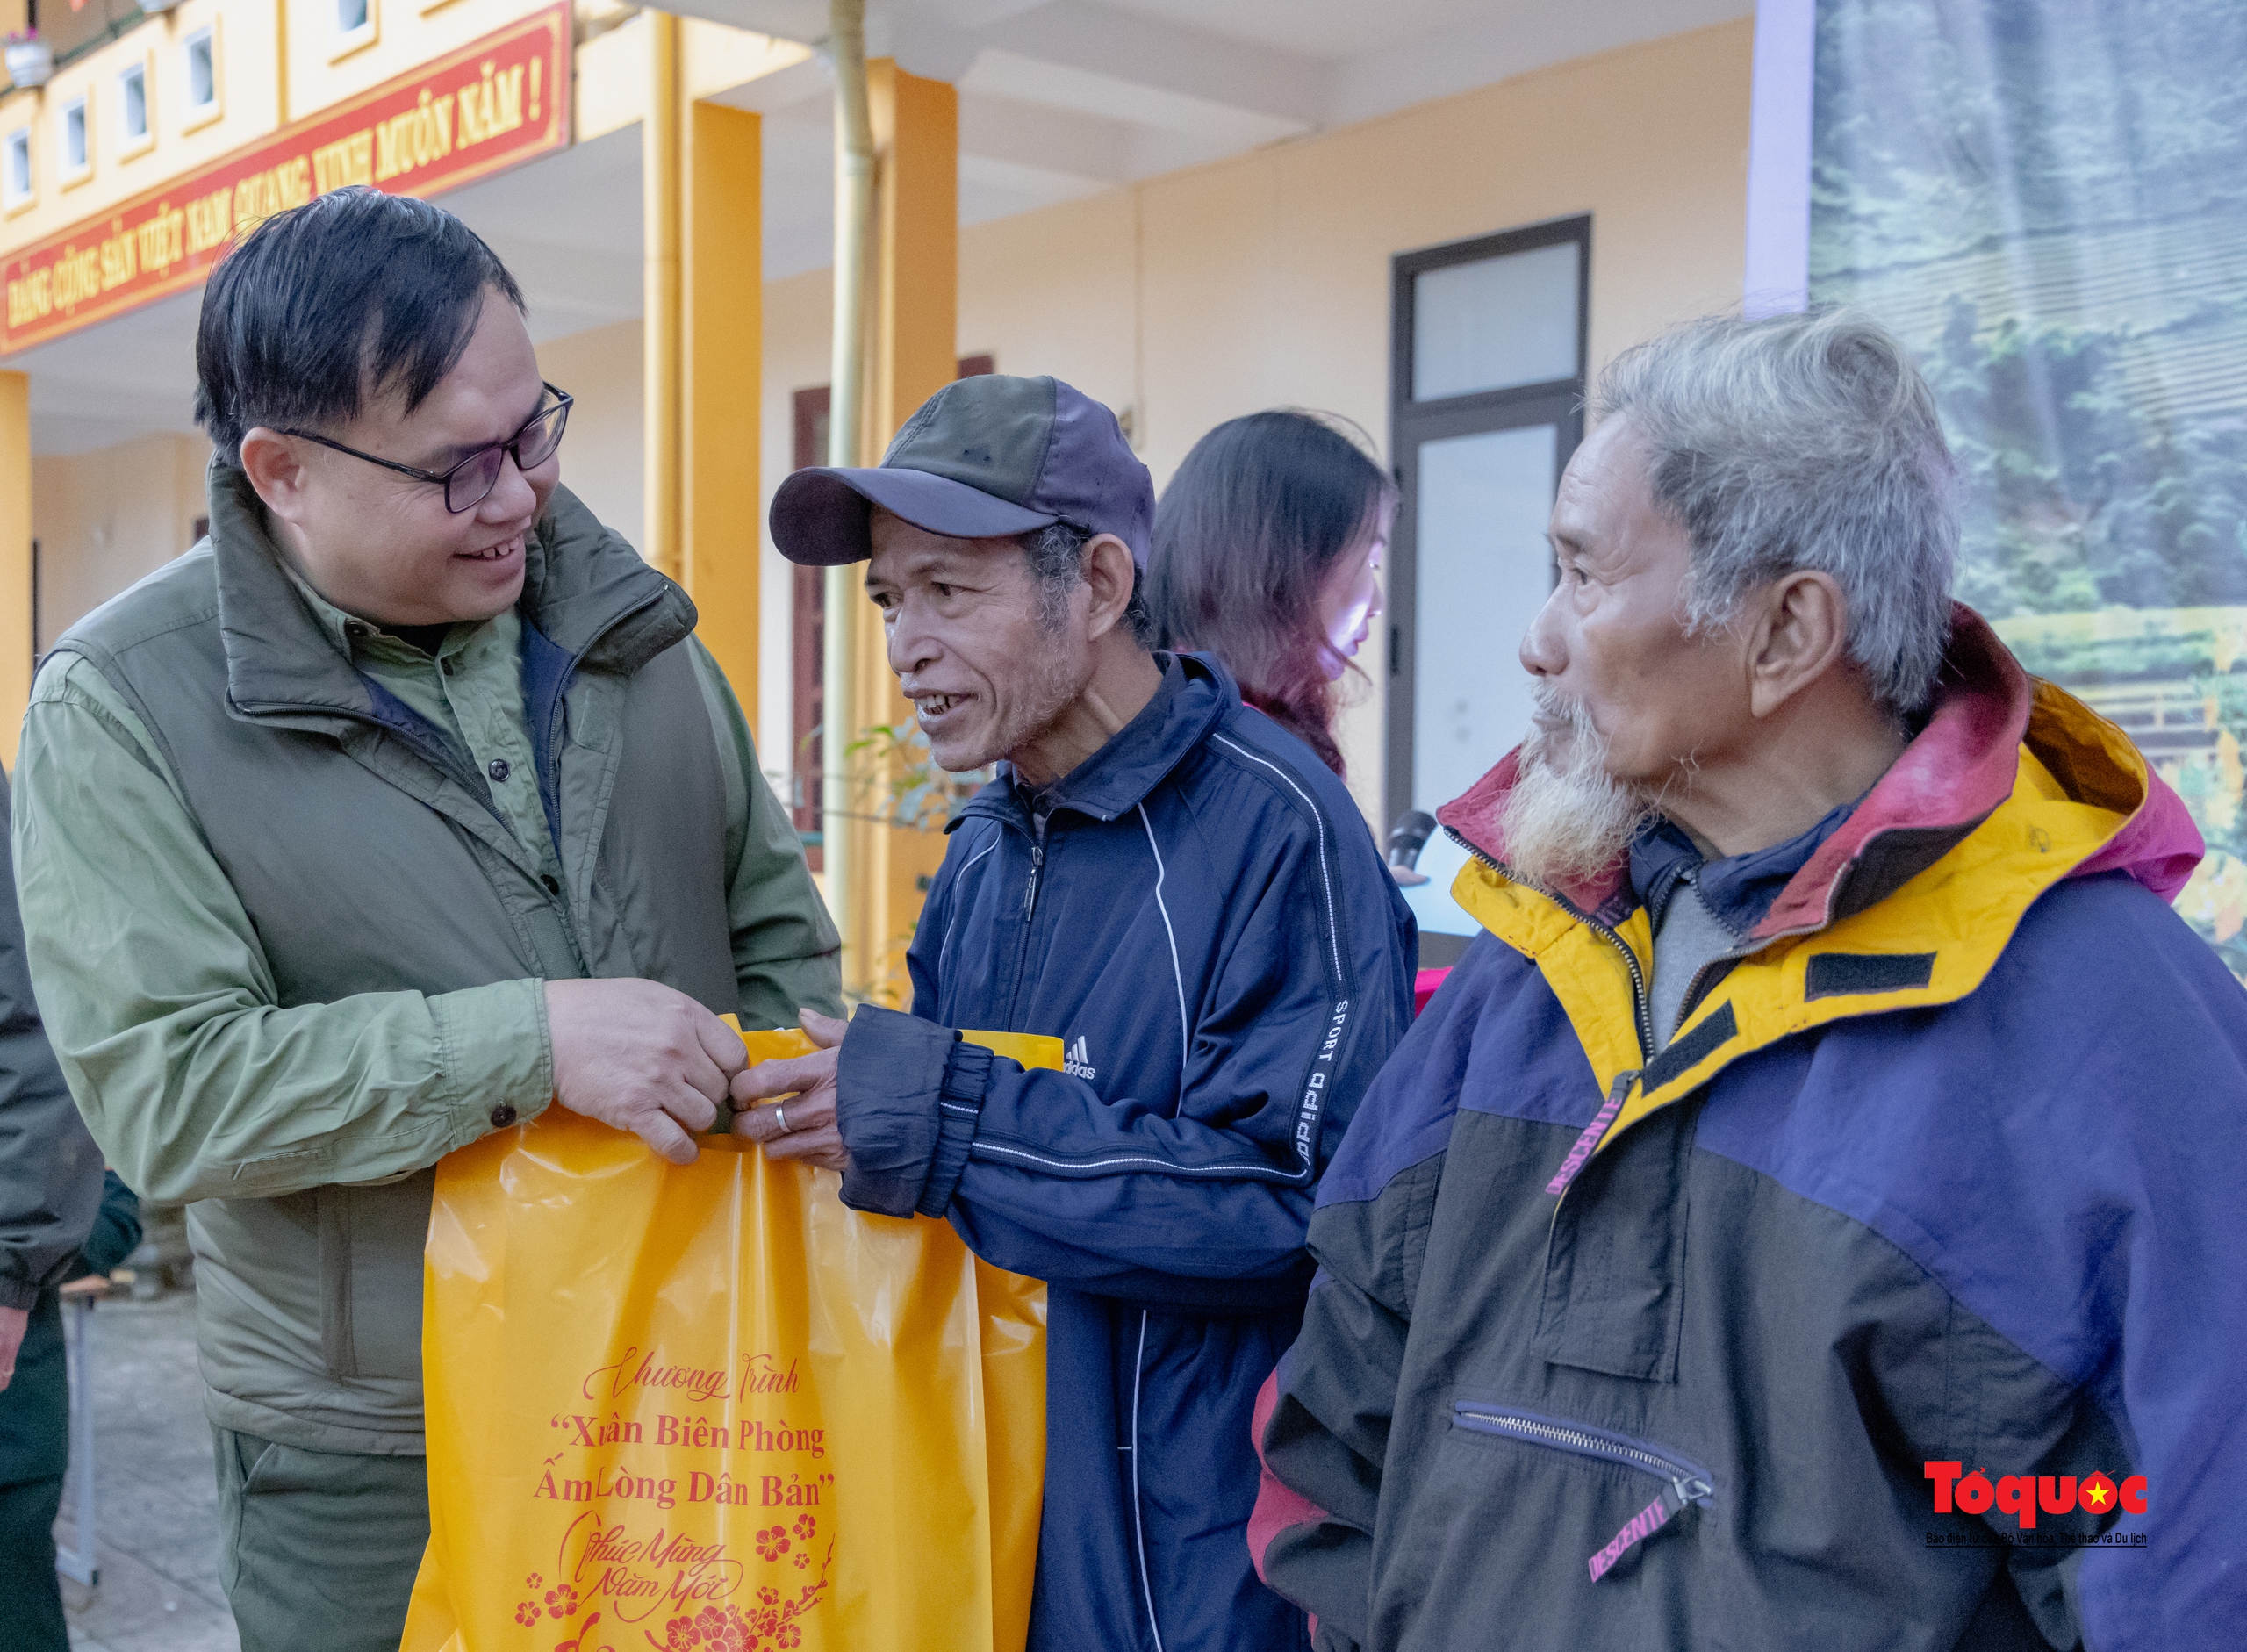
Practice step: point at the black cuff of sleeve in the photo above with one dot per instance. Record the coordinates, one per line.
(967, 1074)
(18, 1293)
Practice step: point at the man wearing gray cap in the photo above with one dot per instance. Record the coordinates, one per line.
(1180, 890)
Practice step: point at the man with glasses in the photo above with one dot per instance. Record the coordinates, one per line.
(403, 804)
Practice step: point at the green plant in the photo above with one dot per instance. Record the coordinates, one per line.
(895, 773)
(890, 778)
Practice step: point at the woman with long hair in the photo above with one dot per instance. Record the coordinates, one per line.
(1267, 552)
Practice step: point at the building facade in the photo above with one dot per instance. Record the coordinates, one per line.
(1438, 222)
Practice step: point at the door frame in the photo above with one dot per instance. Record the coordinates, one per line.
(1559, 402)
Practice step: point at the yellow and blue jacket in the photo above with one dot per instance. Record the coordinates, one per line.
(1898, 1302)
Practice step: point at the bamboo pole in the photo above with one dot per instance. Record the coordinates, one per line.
(854, 192)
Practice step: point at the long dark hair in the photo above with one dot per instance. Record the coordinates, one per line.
(1255, 518)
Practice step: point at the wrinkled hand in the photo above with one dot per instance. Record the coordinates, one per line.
(801, 1123)
(641, 1057)
(12, 1321)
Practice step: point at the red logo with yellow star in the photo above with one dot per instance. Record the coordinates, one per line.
(2023, 1495)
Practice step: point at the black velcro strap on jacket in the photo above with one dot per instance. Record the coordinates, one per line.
(1688, 1050)
(1838, 975)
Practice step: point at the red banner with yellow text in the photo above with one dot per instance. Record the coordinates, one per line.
(490, 104)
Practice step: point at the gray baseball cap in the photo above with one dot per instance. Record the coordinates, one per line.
(984, 456)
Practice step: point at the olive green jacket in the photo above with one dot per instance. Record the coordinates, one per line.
(288, 924)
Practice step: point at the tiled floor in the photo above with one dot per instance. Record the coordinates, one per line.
(155, 1521)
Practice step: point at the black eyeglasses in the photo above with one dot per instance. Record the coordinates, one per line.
(469, 483)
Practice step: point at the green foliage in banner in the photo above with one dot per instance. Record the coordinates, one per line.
(2048, 200)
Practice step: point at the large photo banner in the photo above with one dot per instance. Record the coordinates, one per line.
(2048, 200)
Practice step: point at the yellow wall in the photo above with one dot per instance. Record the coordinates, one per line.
(104, 519)
(1264, 280)
(1188, 299)
(143, 496)
(277, 62)
(408, 35)
(248, 108)
(612, 68)
(601, 454)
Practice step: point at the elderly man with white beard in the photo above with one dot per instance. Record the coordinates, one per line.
(1805, 1217)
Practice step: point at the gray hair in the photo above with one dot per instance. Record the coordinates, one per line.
(1057, 558)
(1803, 441)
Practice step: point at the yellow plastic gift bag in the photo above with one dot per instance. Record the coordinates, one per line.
(709, 1409)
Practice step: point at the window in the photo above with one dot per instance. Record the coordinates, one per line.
(199, 53)
(1487, 380)
(1495, 323)
(354, 26)
(133, 109)
(16, 168)
(77, 159)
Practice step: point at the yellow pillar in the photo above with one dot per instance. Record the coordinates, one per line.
(912, 355)
(16, 641)
(281, 60)
(721, 381)
(917, 243)
(660, 214)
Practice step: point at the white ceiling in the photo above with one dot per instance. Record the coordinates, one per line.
(1058, 99)
(580, 270)
(127, 378)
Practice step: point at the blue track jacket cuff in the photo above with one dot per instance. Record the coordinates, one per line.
(967, 1076)
(907, 1095)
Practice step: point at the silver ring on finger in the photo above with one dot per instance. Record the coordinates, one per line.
(780, 1113)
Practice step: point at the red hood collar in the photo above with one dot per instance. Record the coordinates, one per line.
(1948, 781)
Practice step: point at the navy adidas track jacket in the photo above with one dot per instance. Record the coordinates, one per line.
(1199, 912)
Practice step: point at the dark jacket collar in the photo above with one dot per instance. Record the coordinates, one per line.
(1196, 692)
(586, 592)
(1948, 781)
(1738, 890)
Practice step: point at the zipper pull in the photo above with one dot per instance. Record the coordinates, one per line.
(1036, 860)
(1682, 1491)
(1592, 1135)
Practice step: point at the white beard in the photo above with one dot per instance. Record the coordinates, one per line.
(1566, 818)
